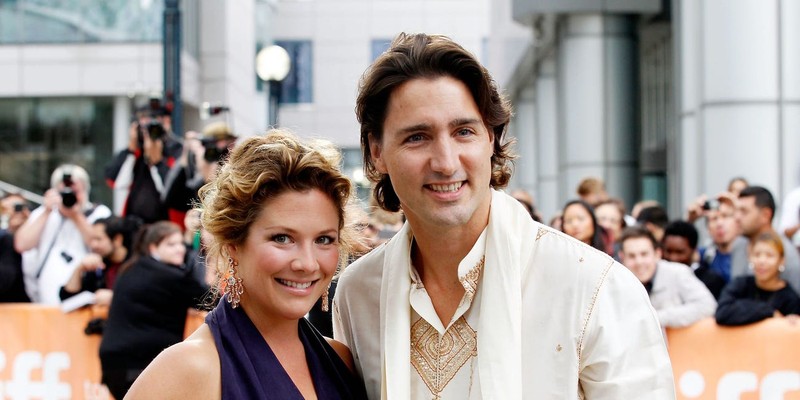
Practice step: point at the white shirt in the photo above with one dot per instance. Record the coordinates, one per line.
(444, 359)
(557, 319)
(55, 257)
(790, 214)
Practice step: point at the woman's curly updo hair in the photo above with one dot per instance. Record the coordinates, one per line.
(263, 167)
(415, 56)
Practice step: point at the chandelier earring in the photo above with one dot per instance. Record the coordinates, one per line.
(325, 300)
(233, 284)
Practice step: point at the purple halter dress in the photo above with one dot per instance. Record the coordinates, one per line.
(250, 370)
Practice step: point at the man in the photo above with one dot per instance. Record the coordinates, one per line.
(655, 219)
(471, 298)
(680, 299)
(56, 235)
(592, 190)
(197, 165)
(137, 173)
(754, 214)
(680, 246)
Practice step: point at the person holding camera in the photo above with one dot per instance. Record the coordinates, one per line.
(13, 213)
(198, 164)
(56, 235)
(138, 172)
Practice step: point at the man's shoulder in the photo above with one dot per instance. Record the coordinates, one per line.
(363, 275)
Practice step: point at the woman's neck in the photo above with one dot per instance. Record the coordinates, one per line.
(771, 284)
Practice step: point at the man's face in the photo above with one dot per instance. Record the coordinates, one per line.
(722, 224)
(677, 249)
(641, 257)
(750, 218)
(437, 151)
(99, 242)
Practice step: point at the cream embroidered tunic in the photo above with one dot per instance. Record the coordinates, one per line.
(556, 319)
(444, 359)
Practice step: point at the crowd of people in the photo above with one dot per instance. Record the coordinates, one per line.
(257, 231)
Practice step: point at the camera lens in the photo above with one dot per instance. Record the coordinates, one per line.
(68, 198)
(18, 207)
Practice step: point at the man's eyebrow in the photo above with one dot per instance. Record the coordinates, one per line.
(464, 121)
(415, 128)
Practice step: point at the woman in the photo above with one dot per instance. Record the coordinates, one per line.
(276, 213)
(578, 221)
(610, 216)
(148, 310)
(749, 299)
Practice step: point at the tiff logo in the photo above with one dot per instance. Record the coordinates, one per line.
(773, 386)
(21, 387)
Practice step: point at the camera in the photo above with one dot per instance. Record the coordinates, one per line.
(68, 198)
(154, 130)
(18, 207)
(712, 204)
(213, 153)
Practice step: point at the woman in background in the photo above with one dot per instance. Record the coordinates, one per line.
(749, 299)
(578, 221)
(148, 310)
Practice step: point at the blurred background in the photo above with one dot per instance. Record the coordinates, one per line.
(661, 99)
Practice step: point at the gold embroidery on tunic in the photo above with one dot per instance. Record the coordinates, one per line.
(436, 358)
(470, 280)
(541, 232)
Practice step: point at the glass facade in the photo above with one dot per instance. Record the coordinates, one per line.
(92, 21)
(38, 134)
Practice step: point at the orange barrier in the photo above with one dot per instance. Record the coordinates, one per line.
(758, 361)
(44, 353)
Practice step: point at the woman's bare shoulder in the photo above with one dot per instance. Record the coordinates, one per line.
(187, 370)
(343, 351)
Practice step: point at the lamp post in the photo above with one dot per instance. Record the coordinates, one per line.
(272, 66)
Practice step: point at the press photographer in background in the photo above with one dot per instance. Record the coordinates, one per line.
(13, 213)
(197, 165)
(138, 172)
(56, 235)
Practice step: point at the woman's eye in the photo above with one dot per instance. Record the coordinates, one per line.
(326, 240)
(281, 238)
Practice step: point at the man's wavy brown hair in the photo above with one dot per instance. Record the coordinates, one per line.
(421, 56)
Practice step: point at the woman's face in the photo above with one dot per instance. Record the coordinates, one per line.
(290, 255)
(169, 250)
(766, 260)
(578, 223)
(608, 217)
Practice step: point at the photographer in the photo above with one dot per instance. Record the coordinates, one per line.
(13, 213)
(56, 235)
(198, 164)
(137, 173)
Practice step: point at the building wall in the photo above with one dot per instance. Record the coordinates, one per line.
(342, 32)
(736, 86)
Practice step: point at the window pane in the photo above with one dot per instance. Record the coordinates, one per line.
(298, 85)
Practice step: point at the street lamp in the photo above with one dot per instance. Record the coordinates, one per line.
(272, 66)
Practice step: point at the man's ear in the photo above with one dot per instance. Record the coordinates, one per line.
(376, 154)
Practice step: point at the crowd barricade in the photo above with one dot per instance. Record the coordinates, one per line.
(45, 354)
(757, 361)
